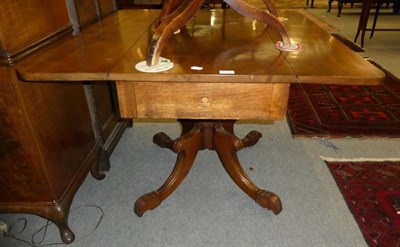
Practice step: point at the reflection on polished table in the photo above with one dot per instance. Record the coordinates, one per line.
(206, 103)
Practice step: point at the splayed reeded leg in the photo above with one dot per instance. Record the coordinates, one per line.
(227, 145)
(212, 135)
(187, 147)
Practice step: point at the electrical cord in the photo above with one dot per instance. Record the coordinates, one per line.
(44, 228)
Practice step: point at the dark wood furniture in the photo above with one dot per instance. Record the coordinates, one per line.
(364, 18)
(205, 102)
(48, 141)
(341, 3)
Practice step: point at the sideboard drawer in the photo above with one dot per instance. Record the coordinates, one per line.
(172, 100)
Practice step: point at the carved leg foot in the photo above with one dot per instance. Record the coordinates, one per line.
(67, 236)
(267, 199)
(250, 139)
(163, 140)
(59, 216)
(94, 171)
(147, 202)
(227, 145)
(187, 147)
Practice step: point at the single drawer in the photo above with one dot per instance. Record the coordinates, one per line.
(205, 100)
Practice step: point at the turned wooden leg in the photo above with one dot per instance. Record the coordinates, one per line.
(187, 147)
(227, 145)
(104, 161)
(362, 25)
(95, 169)
(329, 5)
(340, 7)
(378, 7)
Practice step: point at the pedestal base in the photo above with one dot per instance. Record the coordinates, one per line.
(212, 135)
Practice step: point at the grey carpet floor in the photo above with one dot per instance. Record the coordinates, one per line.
(208, 209)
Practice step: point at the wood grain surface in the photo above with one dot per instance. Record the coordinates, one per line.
(216, 40)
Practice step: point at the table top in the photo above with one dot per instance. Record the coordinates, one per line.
(214, 40)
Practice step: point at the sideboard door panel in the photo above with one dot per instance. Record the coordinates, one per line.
(19, 25)
(63, 128)
(21, 179)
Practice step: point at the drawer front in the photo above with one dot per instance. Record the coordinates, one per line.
(172, 100)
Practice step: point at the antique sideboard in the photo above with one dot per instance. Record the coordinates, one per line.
(51, 135)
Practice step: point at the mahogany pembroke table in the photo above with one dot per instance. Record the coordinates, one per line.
(254, 83)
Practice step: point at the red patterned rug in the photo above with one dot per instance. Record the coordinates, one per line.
(316, 110)
(372, 192)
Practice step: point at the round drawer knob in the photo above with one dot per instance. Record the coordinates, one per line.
(205, 102)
